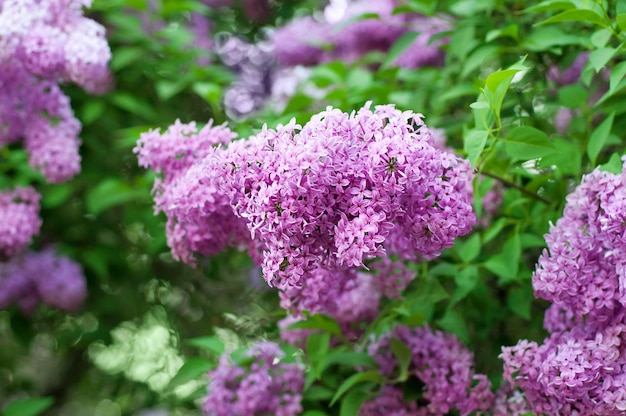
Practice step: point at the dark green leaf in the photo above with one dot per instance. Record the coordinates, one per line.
(370, 375)
(28, 407)
(351, 404)
(403, 355)
(519, 301)
(192, 369)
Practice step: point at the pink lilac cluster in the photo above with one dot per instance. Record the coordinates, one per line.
(267, 387)
(349, 296)
(28, 280)
(43, 43)
(345, 188)
(199, 216)
(580, 367)
(344, 35)
(19, 220)
(443, 365)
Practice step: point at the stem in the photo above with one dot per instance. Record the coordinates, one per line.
(516, 186)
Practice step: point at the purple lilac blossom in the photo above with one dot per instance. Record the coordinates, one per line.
(425, 51)
(442, 364)
(345, 188)
(577, 371)
(19, 220)
(199, 217)
(267, 387)
(42, 43)
(579, 368)
(42, 277)
(570, 74)
(583, 268)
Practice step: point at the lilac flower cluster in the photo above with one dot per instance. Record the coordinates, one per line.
(254, 66)
(42, 277)
(42, 43)
(345, 188)
(19, 220)
(509, 402)
(580, 367)
(390, 402)
(342, 35)
(267, 387)
(442, 364)
(199, 217)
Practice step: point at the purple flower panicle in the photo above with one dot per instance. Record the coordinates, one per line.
(19, 220)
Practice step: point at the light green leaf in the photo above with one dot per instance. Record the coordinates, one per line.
(617, 74)
(573, 96)
(549, 37)
(318, 321)
(598, 138)
(621, 21)
(469, 250)
(454, 322)
(614, 165)
(525, 143)
(550, 5)
(474, 142)
(466, 281)
(109, 193)
(600, 57)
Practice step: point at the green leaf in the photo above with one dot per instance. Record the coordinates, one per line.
(573, 96)
(547, 38)
(108, 194)
(466, 281)
(403, 355)
(506, 263)
(614, 165)
(125, 56)
(349, 358)
(621, 21)
(317, 345)
(351, 404)
(314, 412)
(620, 7)
(474, 142)
(478, 57)
(598, 138)
(209, 343)
(550, 5)
(318, 321)
(520, 299)
(469, 249)
(617, 74)
(134, 105)
(600, 37)
(525, 143)
(28, 407)
(600, 57)
(369, 375)
(494, 230)
(56, 195)
(568, 160)
(454, 322)
(192, 369)
(578, 15)
(398, 48)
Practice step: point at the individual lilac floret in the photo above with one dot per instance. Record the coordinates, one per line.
(442, 364)
(583, 269)
(345, 188)
(266, 387)
(19, 220)
(390, 402)
(199, 216)
(578, 371)
(42, 277)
